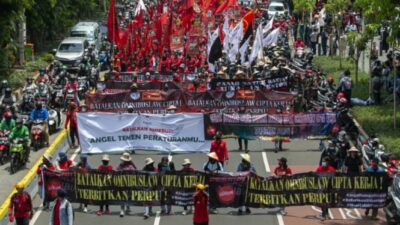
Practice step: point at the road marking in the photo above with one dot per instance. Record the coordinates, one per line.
(268, 170)
(158, 218)
(342, 213)
(37, 213)
(266, 164)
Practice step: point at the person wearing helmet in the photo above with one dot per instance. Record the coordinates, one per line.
(19, 131)
(72, 85)
(200, 204)
(4, 85)
(9, 100)
(29, 86)
(8, 123)
(20, 207)
(346, 85)
(41, 113)
(43, 77)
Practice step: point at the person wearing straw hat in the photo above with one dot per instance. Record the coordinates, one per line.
(200, 202)
(20, 206)
(46, 164)
(171, 109)
(282, 170)
(353, 163)
(149, 167)
(105, 160)
(245, 166)
(219, 147)
(186, 167)
(213, 165)
(125, 165)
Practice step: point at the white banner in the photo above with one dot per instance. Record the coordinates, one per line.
(101, 132)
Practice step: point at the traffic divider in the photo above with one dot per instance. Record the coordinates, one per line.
(60, 144)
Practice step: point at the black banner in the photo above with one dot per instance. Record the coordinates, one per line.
(226, 190)
(277, 83)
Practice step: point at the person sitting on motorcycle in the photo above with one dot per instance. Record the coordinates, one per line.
(41, 113)
(92, 54)
(8, 123)
(4, 86)
(20, 131)
(72, 84)
(42, 92)
(29, 86)
(9, 100)
(43, 77)
(299, 43)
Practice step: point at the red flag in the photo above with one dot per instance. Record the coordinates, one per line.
(112, 24)
(227, 4)
(248, 19)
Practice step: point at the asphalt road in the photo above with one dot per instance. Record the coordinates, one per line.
(303, 156)
(8, 181)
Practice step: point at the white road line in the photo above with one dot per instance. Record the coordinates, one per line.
(268, 170)
(158, 218)
(266, 164)
(37, 213)
(342, 213)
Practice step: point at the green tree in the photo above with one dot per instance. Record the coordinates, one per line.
(303, 7)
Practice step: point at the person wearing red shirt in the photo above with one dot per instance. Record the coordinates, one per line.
(186, 167)
(283, 170)
(20, 206)
(63, 163)
(46, 164)
(324, 168)
(219, 147)
(392, 168)
(104, 167)
(200, 201)
(299, 43)
(72, 121)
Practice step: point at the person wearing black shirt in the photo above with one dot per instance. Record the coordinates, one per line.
(353, 162)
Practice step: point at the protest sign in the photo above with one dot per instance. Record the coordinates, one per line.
(110, 132)
(226, 190)
(242, 84)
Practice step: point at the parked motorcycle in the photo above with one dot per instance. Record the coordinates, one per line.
(54, 121)
(38, 135)
(4, 146)
(19, 155)
(392, 208)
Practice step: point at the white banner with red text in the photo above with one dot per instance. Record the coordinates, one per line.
(101, 132)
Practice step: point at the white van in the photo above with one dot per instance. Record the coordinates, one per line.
(88, 30)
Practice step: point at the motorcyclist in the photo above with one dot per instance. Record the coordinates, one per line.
(8, 123)
(92, 54)
(43, 77)
(20, 131)
(29, 86)
(42, 92)
(72, 84)
(41, 113)
(4, 85)
(9, 100)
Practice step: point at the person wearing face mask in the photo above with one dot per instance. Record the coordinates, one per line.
(149, 167)
(83, 166)
(72, 121)
(104, 167)
(373, 169)
(125, 165)
(62, 212)
(63, 163)
(282, 170)
(219, 147)
(353, 162)
(213, 166)
(20, 206)
(245, 166)
(163, 167)
(41, 113)
(187, 167)
(324, 168)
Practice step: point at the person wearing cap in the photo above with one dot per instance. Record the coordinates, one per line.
(105, 160)
(219, 147)
(353, 163)
(163, 167)
(325, 168)
(186, 167)
(8, 123)
(373, 168)
(282, 170)
(20, 206)
(63, 163)
(149, 167)
(83, 166)
(125, 165)
(245, 166)
(200, 203)
(62, 212)
(71, 120)
(46, 164)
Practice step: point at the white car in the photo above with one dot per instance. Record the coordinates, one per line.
(276, 8)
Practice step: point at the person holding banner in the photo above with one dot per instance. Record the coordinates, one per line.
(353, 163)
(125, 165)
(200, 200)
(325, 168)
(282, 170)
(212, 166)
(245, 166)
(163, 167)
(20, 206)
(63, 163)
(219, 147)
(374, 169)
(186, 167)
(104, 167)
(83, 166)
(46, 164)
(149, 167)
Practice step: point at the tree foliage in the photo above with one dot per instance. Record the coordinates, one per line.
(303, 7)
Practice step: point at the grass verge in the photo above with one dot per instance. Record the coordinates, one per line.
(374, 119)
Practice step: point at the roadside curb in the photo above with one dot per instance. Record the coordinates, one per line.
(59, 144)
